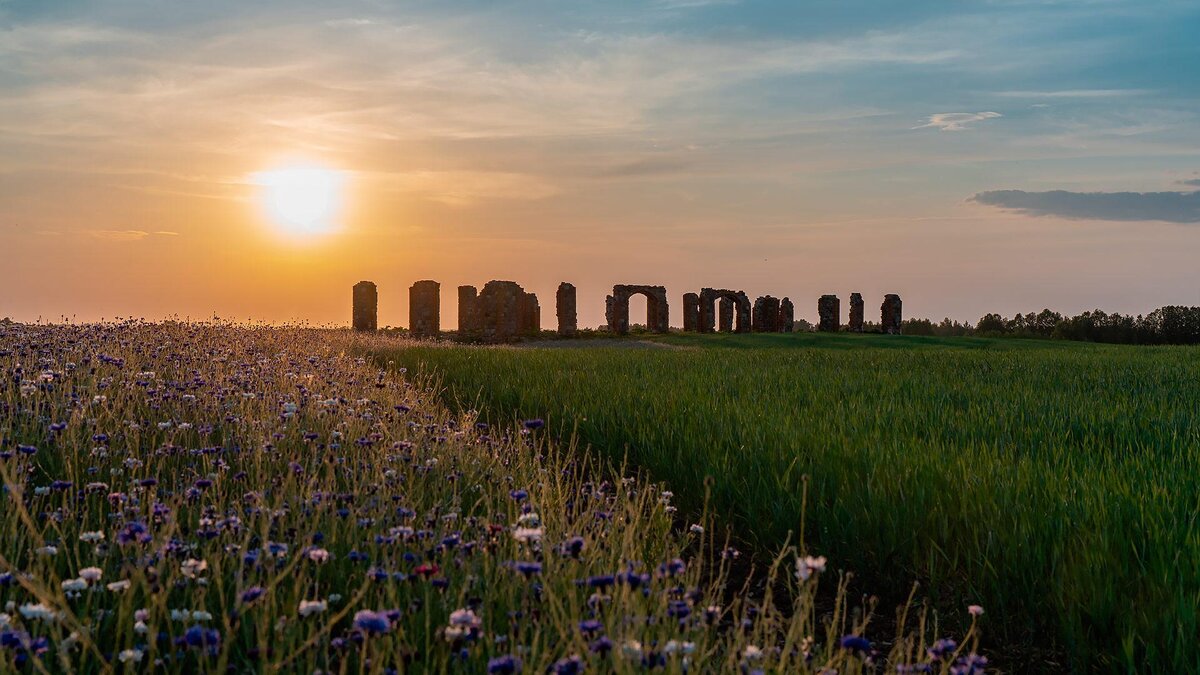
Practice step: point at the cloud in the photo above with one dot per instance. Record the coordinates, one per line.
(1194, 182)
(956, 121)
(1171, 207)
(126, 235)
(1074, 93)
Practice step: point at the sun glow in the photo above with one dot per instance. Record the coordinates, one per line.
(302, 200)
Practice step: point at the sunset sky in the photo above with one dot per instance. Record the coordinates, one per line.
(951, 152)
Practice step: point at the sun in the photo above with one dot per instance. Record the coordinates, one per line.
(302, 199)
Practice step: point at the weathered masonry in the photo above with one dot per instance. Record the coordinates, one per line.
(365, 312)
(616, 309)
(738, 302)
(829, 313)
(424, 308)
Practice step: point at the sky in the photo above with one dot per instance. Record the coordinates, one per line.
(974, 157)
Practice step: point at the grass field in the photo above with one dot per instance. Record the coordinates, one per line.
(214, 498)
(1056, 482)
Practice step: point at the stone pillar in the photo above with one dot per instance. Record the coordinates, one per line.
(468, 318)
(564, 300)
(424, 308)
(691, 312)
(890, 314)
(766, 315)
(365, 312)
(829, 309)
(529, 320)
(725, 312)
(787, 316)
(744, 322)
(856, 313)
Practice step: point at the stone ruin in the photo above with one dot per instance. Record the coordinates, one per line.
(890, 314)
(424, 308)
(564, 303)
(829, 311)
(737, 302)
(856, 313)
(769, 315)
(616, 308)
(365, 311)
(691, 312)
(502, 311)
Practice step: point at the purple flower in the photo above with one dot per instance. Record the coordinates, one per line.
(571, 665)
(601, 645)
(27, 449)
(528, 568)
(855, 643)
(942, 648)
(535, 424)
(372, 622)
(519, 495)
(601, 581)
(253, 593)
(504, 665)
(590, 626)
(199, 636)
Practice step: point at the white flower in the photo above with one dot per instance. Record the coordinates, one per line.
(180, 614)
(632, 649)
(141, 628)
(527, 534)
(5, 621)
(191, 567)
(752, 653)
(38, 611)
(530, 519)
(318, 555)
(310, 607)
(696, 529)
(975, 610)
(92, 537)
(48, 550)
(163, 426)
(806, 566)
(127, 655)
(335, 598)
(198, 615)
(91, 574)
(74, 585)
(117, 586)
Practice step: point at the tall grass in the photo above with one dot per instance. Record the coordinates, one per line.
(208, 498)
(1058, 484)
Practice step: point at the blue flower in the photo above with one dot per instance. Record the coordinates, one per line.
(571, 665)
(372, 622)
(504, 665)
(253, 593)
(855, 643)
(199, 636)
(535, 424)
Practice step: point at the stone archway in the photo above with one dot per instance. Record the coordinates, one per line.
(708, 317)
(616, 311)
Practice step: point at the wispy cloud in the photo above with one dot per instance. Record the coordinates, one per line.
(126, 235)
(1073, 93)
(957, 121)
(1172, 207)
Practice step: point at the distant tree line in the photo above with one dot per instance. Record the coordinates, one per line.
(1171, 325)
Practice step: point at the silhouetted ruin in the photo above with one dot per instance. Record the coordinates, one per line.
(503, 311)
(829, 312)
(564, 301)
(890, 314)
(708, 300)
(856, 313)
(616, 310)
(365, 306)
(691, 312)
(468, 317)
(787, 316)
(766, 315)
(725, 315)
(424, 308)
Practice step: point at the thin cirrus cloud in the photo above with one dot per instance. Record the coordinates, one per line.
(128, 235)
(1171, 207)
(957, 121)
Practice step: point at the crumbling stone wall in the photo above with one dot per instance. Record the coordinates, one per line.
(829, 311)
(691, 312)
(658, 317)
(766, 315)
(365, 312)
(890, 314)
(564, 302)
(499, 311)
(725, 315)
(529, 322)
(424, 308)
(787, 316)
(468, 319)
(856, 312)
(741, 305)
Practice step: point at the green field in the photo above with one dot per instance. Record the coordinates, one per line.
(1053, 482)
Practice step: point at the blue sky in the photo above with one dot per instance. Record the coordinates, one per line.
(943, 150)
